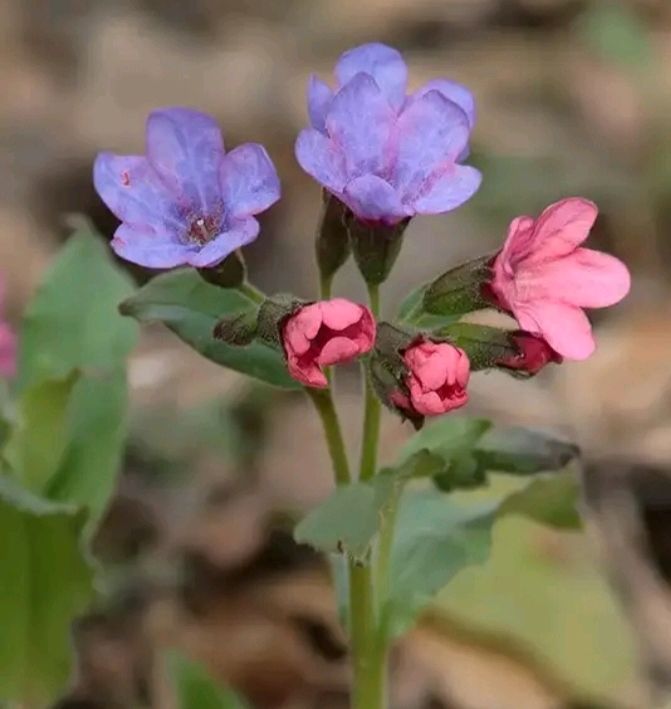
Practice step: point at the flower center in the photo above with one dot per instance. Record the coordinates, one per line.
(201, 230)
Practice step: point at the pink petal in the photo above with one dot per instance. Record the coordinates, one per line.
(518, 241)
(560, 229)
(340, 313)
(302, 328)
(565, 327)
(337, 349)
(310, 374)
(586, 278)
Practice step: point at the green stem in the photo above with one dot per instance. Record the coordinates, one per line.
(368, 653)
(372, 410)
(252, 292)
(325, 287)
(323, 401)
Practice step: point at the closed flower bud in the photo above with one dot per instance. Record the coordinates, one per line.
(375, 245)
(438, 375)
(332, 243)
(459, 290)
(238, 330)
(325, 333)
(533, 353)
(418, 376)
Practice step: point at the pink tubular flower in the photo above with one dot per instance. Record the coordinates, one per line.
(544, 278)
(534, 354)
(437, 377)
(326, 333)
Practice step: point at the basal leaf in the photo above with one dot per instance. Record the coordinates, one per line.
(73, 322)
(45, 581)
(191, 308)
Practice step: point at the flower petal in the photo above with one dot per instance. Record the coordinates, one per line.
(133, 191)
(320, 96)
(453, 91)
(383, 63)
(336, 350)
(249, 181)
(456, 185)
(561, 228)
(340, 313)
(359, 122)
(319, 157)
(185, 148)
(586, 278)
(565, 327)
(239, 233)
(430, 135)
(372, 198)
(145, 247)
(302, 328)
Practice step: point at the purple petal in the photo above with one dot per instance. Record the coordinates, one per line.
(145, 247)
(319, 100)
(319, 157)
(185, 148)
(372, 198)
(449, 190)
(453, 91)
(133, 191)
(240, 233)
(431, 133)
(359, 122)
(383, 63)
(249, 181)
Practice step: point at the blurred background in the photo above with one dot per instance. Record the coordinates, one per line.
(574, 97)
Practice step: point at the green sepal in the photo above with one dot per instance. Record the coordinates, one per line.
(332, 246)
(459, 290)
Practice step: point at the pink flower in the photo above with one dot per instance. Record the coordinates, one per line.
(534, 354)
(8, 348)
(326, 333)
(545, 278)
(437, 377)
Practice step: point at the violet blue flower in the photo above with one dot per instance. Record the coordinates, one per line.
(385, 154)
(187, 201)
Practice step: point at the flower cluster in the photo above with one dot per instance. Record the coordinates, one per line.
(382, 154)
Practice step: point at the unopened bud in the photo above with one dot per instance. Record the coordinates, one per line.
(238, 330)
(332, 242)
(460, 290)
(375, 246)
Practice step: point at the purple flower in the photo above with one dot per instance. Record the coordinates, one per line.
(385, 154)
(187, 201)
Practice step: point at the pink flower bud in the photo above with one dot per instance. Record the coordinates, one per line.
(437, 377)
(534, 354)
(325, 333)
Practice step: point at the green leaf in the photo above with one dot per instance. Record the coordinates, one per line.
(541, 595)
(552, 500)
(191, 308)
(195, 688)
(39, 438)
(97, 429)
(523, 451)
(345, 521)
(45, 581)
(73, 323)
(435, 538)
(446, 437)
